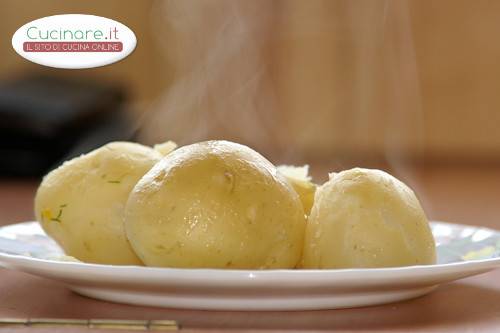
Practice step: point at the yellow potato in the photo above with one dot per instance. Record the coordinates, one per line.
(367, 218)
(81, 203)
(215, 204)
(165, 147)
(301, 183)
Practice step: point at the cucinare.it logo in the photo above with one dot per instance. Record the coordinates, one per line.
(74, 41)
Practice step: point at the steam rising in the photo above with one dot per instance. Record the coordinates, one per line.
(306, 81)
(220, 80)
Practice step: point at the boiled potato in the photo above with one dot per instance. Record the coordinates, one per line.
(215, 204)
(367, 218)
(301, 182)
(81, 203)
(165, 147)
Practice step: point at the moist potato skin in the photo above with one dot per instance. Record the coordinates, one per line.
(81, 203)
(215, 204)
(366, 218)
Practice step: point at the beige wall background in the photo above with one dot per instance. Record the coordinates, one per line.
(303, 79)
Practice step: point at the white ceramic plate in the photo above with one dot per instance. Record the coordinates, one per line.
(462, 251)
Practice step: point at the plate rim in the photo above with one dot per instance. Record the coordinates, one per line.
(241, 277)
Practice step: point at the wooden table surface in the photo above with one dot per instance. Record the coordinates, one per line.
(469, 195)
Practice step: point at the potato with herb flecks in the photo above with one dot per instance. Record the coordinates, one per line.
(367, 218)
(81, 203)
(215, 204)
(301, 182)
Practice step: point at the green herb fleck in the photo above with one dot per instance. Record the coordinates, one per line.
(58, 217)
(59, 214)
(114, 181)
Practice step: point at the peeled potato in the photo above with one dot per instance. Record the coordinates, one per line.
(81, 203)
(300, 180)
(215, 204)
(165, 147)
(367, 218)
